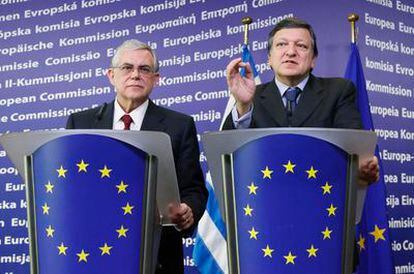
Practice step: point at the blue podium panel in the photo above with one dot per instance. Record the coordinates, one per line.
(289, 200)
(88, 198)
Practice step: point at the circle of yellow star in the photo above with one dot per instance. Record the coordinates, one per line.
(331, 210)
(312, 251)
(105, 171)
(105, 249)
(267, 173)
(326, 188)
(290, 258)
(361, 243)
(127, 209)
(45, 208)
(252, 188)
(326, 233)
(49, 187)
(311, 172)
(253, 233)
(248, 210)
(61, 172)
(122, 187)
(82, 256)
(62, 249)
(122, 232)
(50, 231)
(378, 233)
(82, 166)
(289, 167)
(267, 251)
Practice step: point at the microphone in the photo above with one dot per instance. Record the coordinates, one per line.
(101, 111)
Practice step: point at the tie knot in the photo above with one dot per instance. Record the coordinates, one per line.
(292, 94)
(127, 121)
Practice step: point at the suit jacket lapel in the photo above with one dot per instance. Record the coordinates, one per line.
(273, 104)
(105, 116)
(153, 119)
(310, 99)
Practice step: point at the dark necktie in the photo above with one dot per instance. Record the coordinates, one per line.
(291, 95)
(127, 121)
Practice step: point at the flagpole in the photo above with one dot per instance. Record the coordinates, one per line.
(246, 22)
(352, 18)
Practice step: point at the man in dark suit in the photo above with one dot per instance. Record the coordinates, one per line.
(134, 72)
(295, 97)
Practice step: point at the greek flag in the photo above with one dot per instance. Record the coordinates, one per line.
(210, 250)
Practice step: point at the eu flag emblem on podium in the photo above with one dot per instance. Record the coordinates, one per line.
(289, 205)
(88, 199)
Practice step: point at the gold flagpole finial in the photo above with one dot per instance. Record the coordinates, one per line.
(352, 18)
(246, 22)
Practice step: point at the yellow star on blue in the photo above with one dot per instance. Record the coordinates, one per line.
(82, 166)
(361, 243)
(105, 249)
(290, 258)
(82, 256)
(248, 210)
(312, 172)
(105, 172)
(312, 251)
(122, 187)
(327, 188)
(326, 233)
(50, 231)
(62, 249)
(289, 167)
(49, 187)
(252, 188)
(253, 233)
(127, 209)
(61, 172)
(267, 251)
(267, 173)
(331, 210)
(122, 231)
(378, 234)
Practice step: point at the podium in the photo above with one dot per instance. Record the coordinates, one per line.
(289, 197)
(96, 198)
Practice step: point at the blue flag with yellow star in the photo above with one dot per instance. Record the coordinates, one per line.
(375, 256)
(88, 198)
(290, 199)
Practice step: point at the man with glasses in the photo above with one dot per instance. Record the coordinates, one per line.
(134, 72)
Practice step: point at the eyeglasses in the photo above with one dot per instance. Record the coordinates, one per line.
(143, 70)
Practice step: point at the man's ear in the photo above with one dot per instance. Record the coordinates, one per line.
(268, 61)
(156, 79)
(313, 64)
(110, 75)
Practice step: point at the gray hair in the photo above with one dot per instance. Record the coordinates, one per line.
(134, 44)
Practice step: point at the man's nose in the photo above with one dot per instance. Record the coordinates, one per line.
(135, 73)
(291, 49)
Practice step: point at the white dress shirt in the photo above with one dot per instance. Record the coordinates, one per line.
(137, 116)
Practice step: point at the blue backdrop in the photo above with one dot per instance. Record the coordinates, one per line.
(53, 56)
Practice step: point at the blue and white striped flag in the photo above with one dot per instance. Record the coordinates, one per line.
(210, 250)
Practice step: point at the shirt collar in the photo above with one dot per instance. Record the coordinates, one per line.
(282, 87)
(137, 114)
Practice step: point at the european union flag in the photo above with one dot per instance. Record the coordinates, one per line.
(373, 239)
(290, 197)
(88, 193)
